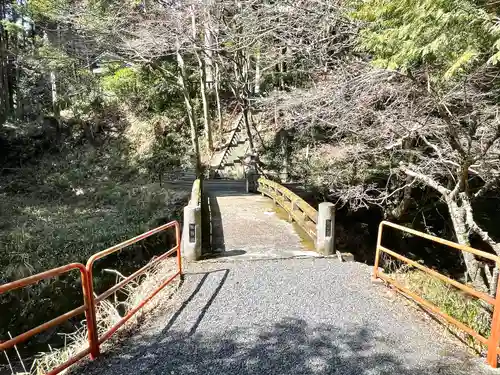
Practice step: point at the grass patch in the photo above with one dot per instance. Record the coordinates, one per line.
(65, 206)
(461, 306)
(65, 210)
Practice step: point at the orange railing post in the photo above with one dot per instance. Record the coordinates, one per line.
(377, 251)
(56, 321)
(94, 339)
(492, 356)
(93, 336)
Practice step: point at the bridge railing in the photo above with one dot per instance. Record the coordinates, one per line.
(298, 209)
(491, 342)
(195, 197)
(90, 301)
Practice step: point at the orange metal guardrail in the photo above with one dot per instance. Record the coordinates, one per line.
(95, 341)
(91, 301)
(62, 318)
(492, 342)
(298, 209)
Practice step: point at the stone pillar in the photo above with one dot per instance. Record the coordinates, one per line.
(191, 234)
(251, 174)
(251, 181)
(325, 229)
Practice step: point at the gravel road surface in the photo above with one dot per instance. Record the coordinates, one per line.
(296, 316)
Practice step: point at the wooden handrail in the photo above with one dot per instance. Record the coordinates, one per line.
(195, 198)
(297, 208)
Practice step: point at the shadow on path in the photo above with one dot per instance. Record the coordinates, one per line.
(290, 345)
(205, 308)
(214, 241)
(217, 243)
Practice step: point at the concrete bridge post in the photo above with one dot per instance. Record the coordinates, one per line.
(191, 236)
(325, 229)
(251, 181)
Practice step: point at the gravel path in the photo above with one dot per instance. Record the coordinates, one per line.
(296, 316)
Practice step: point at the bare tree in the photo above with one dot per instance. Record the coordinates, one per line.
(257, 41)
(205, 73)
(377, 135)
(460, 159)
(149, 36)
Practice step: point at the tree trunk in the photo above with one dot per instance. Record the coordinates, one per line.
(285, 155)
(11, 65)
(4, 73)
(401, 208)
(256, 89)
(53, 83)
(203, 87)
(3, 88)
(206, 106)
(472, 265)
(403, 205)
(189, 110)
(214, 36)
(246, 120)
(217, 97)
(282, 69)
(209, 42)
(457, 207)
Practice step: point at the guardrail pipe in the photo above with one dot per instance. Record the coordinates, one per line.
(494, 339)
(325, 229)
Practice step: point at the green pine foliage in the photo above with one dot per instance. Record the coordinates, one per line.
(144, 89)
(45, 9)
(447, 37)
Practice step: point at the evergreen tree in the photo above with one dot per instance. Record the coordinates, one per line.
(448, 38)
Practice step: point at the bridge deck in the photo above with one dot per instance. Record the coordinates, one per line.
(246, 226)
(296, 316)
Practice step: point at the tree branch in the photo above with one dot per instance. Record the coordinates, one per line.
(474, 227)
(487, 186)
(425, 180)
